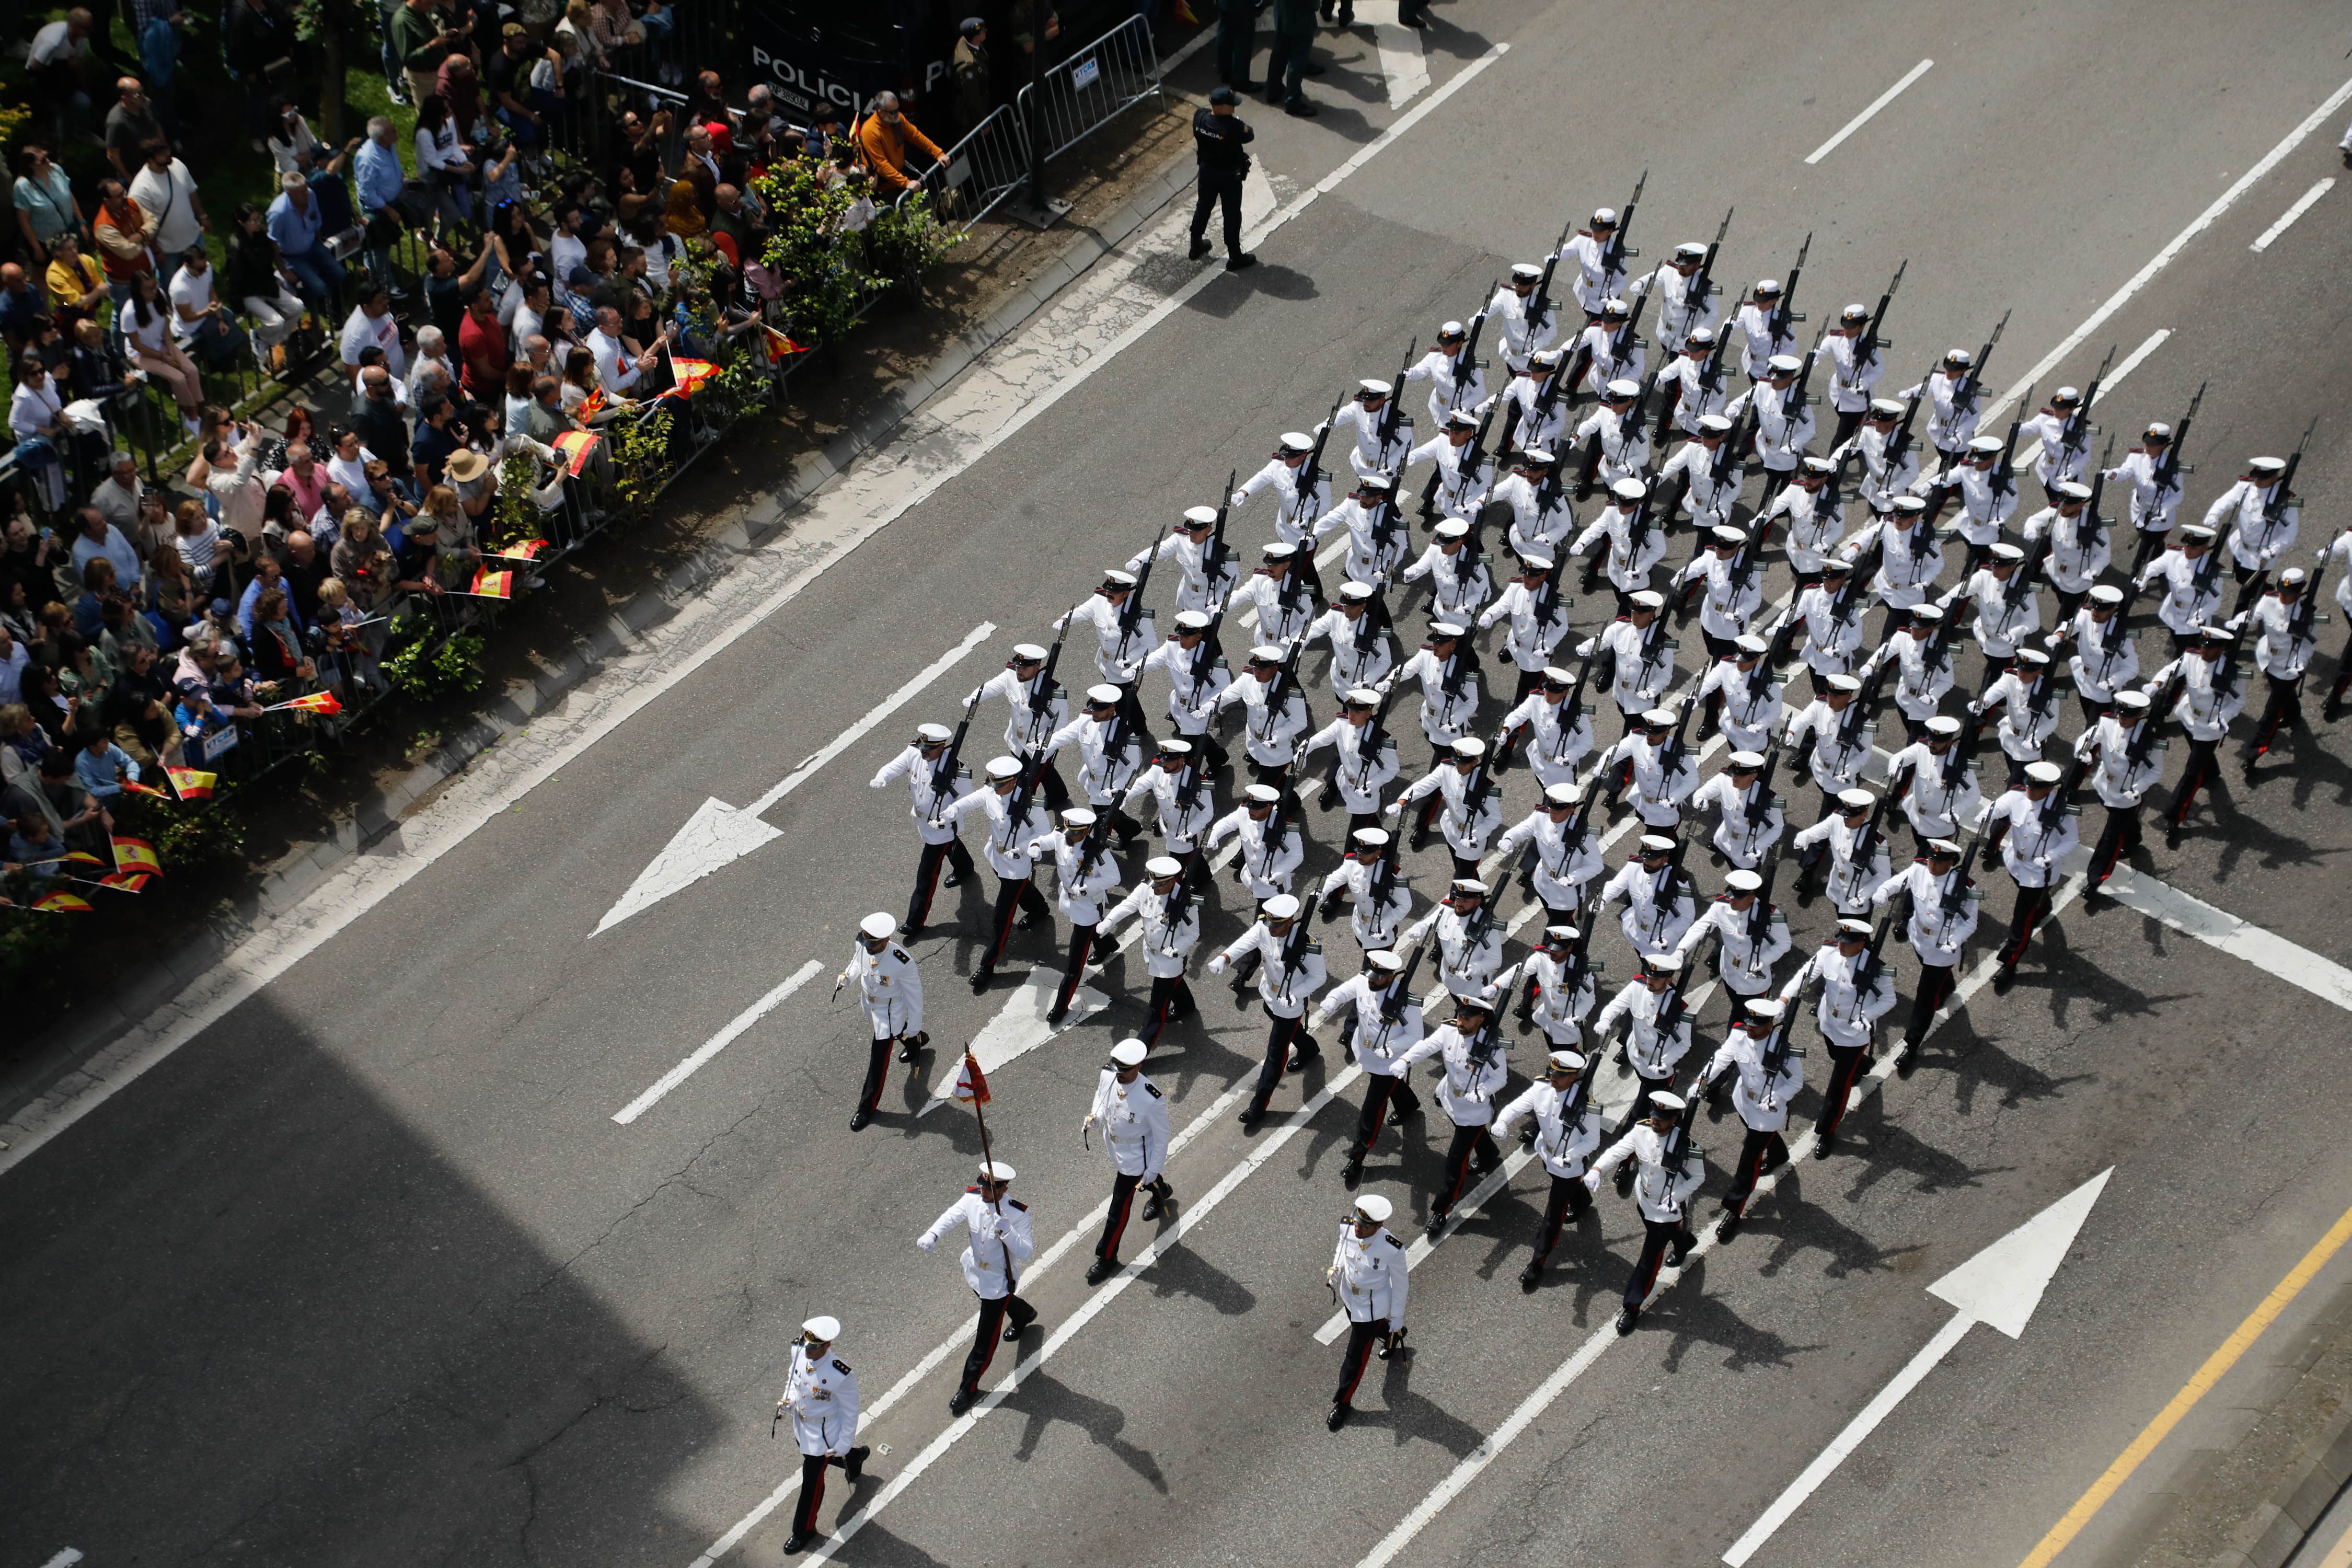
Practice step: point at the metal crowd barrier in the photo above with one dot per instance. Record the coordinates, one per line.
(978, 172)
(1094, 85)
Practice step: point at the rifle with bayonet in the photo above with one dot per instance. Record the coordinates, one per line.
(1613, 254)
(1702, 284)
(1043, 693)
(1874, 338)
(945, 771)
(1964, 396)
(2170, 467)
(1465, 361)
(1214, 554)
(1310, 473)
(1130, 614)
(1392, 417)
(2074, 431)
(1785, 314)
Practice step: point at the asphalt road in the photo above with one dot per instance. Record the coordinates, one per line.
(368, 1273)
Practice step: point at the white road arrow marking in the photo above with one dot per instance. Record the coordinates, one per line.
(719, 835)
(1999, 1288)
(1402, 59)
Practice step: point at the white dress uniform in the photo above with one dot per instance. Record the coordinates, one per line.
(1507, 313)
(1535, 530)
(1194, 682)
(994, 1235)
(889, 989)
(1026, 731)
(1557, 737)
(1950, 427)
(1527, 391)
(1750, 822)
(1264, 869)
(1119, 655)
(1985, 504)
(1934, 809)
(1380, 1044)
(2106, 657)
(1562, 1146)
(2203, 711)
(1562, 864)
(1361, 655)
(1683, 385)
(1595, 278)
(1844, 1013)
(1463, 967)
(1080, 897)
(1851, 384)
(1849, 885)
(1679, 313)
(1447, 712)
(1294, 512)
(927, 805)
(1742, 962)
(1466, 1090)
(1758, 342)
(1937, 935)
(2119, 784)
(1110, 756)
(1447, 390)
(1286, 992)
(1460, 493)
(1369, 1276)
(1560, 1008)
(2153, 502)
(1779, 438)
(2257, 541)
(2073, 561)
(1167, 947)
(1194, 590)
(2278, 652)
(2191, 594)
(1752, 705)
(2036, 842)
(1652, 1053)
(1007, 848)
(1367, 454)
(1661, 783)
(1376, 924)
(821, 1393)
(1607, 363)
(1458, 584)
(1630, 559)
(1835, 761)
(1832, 635)
(1730, 603)
(1361, 778)
(1708, 501)
(2029, 715)
(2057, 461)
(1535, 630)
(1919, 686)
(1815, 523)
(2337, 557)
(1881, 480)
(1911, 562)
(1658, 905)
(1283, 607)
(1134, 1121)
(1371, 560)
(1638, 682)
(1660, 1197)
(2000, 627)
(1760, 1098)
(1184, 802)
(1271, 733)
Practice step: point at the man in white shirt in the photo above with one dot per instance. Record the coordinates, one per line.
(615, 368)
(370, 322)
(167, 192)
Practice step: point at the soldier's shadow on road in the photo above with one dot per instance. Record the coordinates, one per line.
(1179, 1272)
(1975, 1063)
(2244, 831)
(1225, 296)
(1789, 1226)
(1409, 1417)
(1882, 1150)
(1695, 1318)
(1043, 1400)
(878, 1548)
(2313, 766)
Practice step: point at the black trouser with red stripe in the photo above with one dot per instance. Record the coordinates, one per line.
(1659, 1235)
(1846, 1063)
(1640, 1107)
(2193, 778)
(1383, 1092)
(1122, 1198)
(812, 1467)
(2284, 709)
(991, 1329)
(926, 878)
(877, 1075)
(1082, 942)
(1280, 1033)
(1480, 1140)
(2033, 903)
(2118, 838)
(1569, 1201)
(1168, 992)
(1528, 680)
(1936, 982)
(1013, 895)
(1757, 1148)
(1363, 1338)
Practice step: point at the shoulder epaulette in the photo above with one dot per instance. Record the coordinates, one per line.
(901, 955)
(1016, 1202)
(971, 1189)
(840, 1365)
(1393, 1241)
(1154, 1090)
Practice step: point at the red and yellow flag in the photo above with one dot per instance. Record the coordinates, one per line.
(324, 703)
(193, 783)
(781, 346)
(125, 881)
(577, 446)
(135, 787)
(81, 857)
(490, 585)
(690, 373)
(592, 404)
(136, 855)
(972, 1084)
(524, 549)
(63, 904)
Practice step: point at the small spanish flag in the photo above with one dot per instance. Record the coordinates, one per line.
(521, 549)
(193, 783)
(63, 904)
(592, 404)
(577, 446)
(135, 787)
(125, 881)
(690, 375)
(135, 855)
(972, 1084)
(490, 585)
(781, 346)
(79, 857)
(323, 703)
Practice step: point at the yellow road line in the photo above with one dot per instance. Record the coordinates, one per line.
(2196, 1387)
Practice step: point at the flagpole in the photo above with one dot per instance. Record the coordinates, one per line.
(1003, 1243)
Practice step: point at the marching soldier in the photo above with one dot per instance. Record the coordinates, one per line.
(2106, 657)
(1188, 546)
(1830, 613)
(1884, 476)
(1283, 597)
(1362, 651)
(1171, 930)
(1538, 614)
(1385, 1030)
(1037, 707)
(1508, 309)
(1813, 515)
(1084, 876)
(1850, 882)
(1560, 990)
(2124, 763)
(1943, 916)
(1381, 901)
(1540, 518)
(1781, 431)
(1679, 313)
(2206, 703)
(1272, 719)
(1612, 352)
(1111, 752)
(891, 990)
(1454, 382)
(2078, 553)
(1196, 677)
(1732, 595)
(1855, 992)
(1363, 416)
(1367, 1276)
(1014, 821)
(1663, 774)
(1762, 335)
(1598, 275)
(1566, 858)
(1534, 414)
(1000, 1245)
(1377, 537)
(918, 765)
(1742, 699)
(1659, 1194)
(1702, 479)
(2006, 611)
(2061, 460)
(1744, 953)
(2192, 592)
(1457, 486)
(2281, 652)
(1447, 669)
(1286, 474)
(1748, 818)
(1266, 862)
(1654, 1043)
(1951, 408)
(1942, 795)
(1686, 388)
(1458, 581)
(1184, 794)
(1840, 751)
(1286, 983)
(1557, 735)
(1761, 1095)
(1565, 1129)
(1358, 772)
(1659, 905)
(1471, 1049)
(821, 1397)
(1986, 500)
(2259, 523)
(1923, 670)
(1641, 665)
(1851, 381)
(1133, 1115)
(2035, 833)
(1119, 650)
(2027, 699)
(1469, 939)
(2155, 493)
(1629, 556)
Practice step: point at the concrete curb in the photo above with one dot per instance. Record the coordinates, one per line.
(90, 1027)
(2279, 1527)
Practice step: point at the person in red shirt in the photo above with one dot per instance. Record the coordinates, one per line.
(482, 346)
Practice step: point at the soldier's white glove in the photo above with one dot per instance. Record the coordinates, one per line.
(1217, 964)
(925, 1242)
(1592, 1179)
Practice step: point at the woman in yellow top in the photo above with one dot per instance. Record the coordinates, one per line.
(76, 284)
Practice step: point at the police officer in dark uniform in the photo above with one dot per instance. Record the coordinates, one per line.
(1218, 136)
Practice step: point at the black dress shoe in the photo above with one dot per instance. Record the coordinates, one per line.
(1531, 1276)
(1826, 1146)
(1104, 1268)
(1351, 1173)
(1528, 1136)
(981, 981)
(1240, 263)
(954, 878)
(858, 1122)
(1337, 1419)
(1250, 1117)
(1030, 922)
(962, 1400)
(1054, 1016)
(800, 1543)
(1437, 1218)
(1626, 1318)
(1906, 1060)
(1157, 1205)
(1199, 248)
(1012, 1331)
(1727, 1226)
(853, 1463)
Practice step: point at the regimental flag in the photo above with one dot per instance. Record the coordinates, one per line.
(972, 1084)
(135, 787)
(323, 703)
(780, 346)
(523, 548)
(125, 881)
(577, 446)
(193, 783)
(136, 855)
(690, 373)
(490, 585)
(63, 904)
